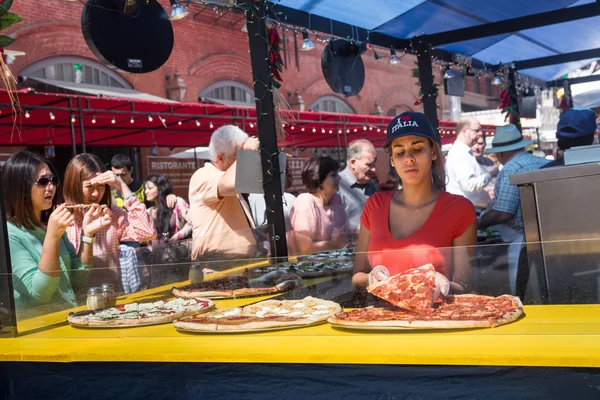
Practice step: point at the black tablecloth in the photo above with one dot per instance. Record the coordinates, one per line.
(182, 381)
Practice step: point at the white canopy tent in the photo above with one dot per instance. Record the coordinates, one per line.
(201, 154)
(586, 94)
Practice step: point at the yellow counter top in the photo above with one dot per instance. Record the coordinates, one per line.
(557, 335)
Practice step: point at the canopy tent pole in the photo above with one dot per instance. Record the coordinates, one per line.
(8, 320)
(427, 82)
(81, 131)
(256, 16)
(72, 130)
(512, 92)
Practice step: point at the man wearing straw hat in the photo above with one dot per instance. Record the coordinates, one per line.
(506, 214)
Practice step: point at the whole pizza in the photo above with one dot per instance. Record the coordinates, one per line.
(459, 311)
(238, 286)
(136, 314)
(414, 304)
(305, 269)
(265, 315)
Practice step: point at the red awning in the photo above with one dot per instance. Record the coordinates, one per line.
(46, 118)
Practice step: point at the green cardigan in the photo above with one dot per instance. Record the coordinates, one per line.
(33, 287)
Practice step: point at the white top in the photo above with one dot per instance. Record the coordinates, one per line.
(259, 208)
(465, 175)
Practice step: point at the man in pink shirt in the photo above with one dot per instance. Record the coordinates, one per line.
(221, 218)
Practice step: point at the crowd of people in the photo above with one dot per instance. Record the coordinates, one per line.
(69, 234)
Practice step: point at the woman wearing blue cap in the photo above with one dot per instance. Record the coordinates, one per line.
(420, 223)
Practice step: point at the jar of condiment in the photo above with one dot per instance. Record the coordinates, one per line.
(110, 298)
(95, 298)
(196, 273)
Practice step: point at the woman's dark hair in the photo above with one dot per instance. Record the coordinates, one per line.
(82, 167)
(163, 213)
(18, 177)
(316, 170)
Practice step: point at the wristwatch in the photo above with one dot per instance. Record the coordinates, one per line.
(87, 239)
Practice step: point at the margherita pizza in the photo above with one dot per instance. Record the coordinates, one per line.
(265, 315)
(411, 290)
(237, 286)
(135, 314)
(460, 311)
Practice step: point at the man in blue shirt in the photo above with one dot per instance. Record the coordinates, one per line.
(506, 214)
(576, 127)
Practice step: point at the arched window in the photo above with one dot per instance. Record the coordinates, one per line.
(228, 92)
(331, 104)
(399, 109)
(74, 70)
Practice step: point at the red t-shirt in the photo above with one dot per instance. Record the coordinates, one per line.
(431, 243)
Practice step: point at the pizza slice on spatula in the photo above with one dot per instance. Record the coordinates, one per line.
(411, 290)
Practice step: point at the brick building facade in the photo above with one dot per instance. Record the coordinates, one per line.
(210, 50)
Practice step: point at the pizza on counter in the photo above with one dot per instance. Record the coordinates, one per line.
(264, 315)
(136, 314)
(238, 286)
(304, 269)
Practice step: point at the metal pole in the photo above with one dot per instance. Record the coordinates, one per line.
(8, 317)
(81, 131)
(72, 126)
(256, 16)
(339, 146)
(426, 79)
(195, 157)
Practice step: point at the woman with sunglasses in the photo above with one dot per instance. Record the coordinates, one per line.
(46, 267)
(88, 182)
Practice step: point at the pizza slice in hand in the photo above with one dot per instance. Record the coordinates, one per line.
(411, 290)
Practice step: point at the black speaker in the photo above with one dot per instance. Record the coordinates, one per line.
(343, 67)
(138, 40)
(528, 106)
(455, 86)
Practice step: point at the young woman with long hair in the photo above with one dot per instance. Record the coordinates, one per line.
(419, 223)
(88, 182)
(46, 266)
(172, 223)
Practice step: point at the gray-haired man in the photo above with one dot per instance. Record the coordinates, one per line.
(357, 183)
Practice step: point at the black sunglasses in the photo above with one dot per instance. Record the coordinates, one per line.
(44, 181)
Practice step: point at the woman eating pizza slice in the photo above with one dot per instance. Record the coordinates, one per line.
(420, 223)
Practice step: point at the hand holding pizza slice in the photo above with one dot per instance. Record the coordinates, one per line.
(414, 290)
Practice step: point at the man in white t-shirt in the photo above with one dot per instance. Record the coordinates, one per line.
(465, 176)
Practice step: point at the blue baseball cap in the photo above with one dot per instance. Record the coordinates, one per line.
(576, 123)
(410, 123)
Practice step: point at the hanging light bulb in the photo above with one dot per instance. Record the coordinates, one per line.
(27, 114)
(52, 117)
(177, 10)
(245, 27)
(308, 45)
(72, 118)
(149, 118)
(94, 119)
(131, 120)
(292, 127)
(211, 125)
(449, 74)
(251, 125)
(179, 123)
(302, 129)
(378, 129)
(197, 123)
(112, 121)
(394, 60)
(497, 81)
(322, 130)
(314, 130)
